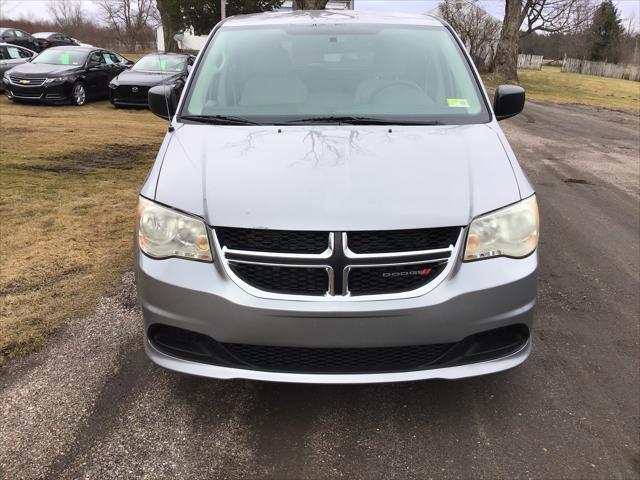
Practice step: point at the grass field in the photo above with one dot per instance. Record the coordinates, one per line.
(69, 178)
(134, 57)
(553, 85)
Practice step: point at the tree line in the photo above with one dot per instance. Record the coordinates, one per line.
(125, 25)
(582, 28)
(604, 38)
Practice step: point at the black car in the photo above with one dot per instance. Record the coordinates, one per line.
(64, 75)
(12, 56)
(129, 89)
(18, 37)
(53, 39)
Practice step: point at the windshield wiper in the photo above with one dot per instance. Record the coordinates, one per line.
(219, 119)
(356, 120)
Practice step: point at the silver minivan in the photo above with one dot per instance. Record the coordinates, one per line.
(335, 202)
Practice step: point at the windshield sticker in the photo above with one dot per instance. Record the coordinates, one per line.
(64, 58)
(163, 64)
(458, 102)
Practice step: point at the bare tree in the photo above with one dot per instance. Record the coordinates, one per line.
(477, 29)
(67, 15)
(535, 15)
(129, 19)
(309, 4)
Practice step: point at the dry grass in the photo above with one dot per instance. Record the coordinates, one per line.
(134, 57)
(69, 178)
(553, 85)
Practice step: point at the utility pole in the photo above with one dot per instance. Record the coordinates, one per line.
(223, 9)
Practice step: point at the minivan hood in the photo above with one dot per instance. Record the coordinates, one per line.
(336, 178)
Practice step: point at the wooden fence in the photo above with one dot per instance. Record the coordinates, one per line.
(602, 69)
(531, 62)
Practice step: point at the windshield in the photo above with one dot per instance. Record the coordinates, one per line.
(392, 73)
(62, 56)
(161, 63)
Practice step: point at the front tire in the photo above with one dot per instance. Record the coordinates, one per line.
(78, 94)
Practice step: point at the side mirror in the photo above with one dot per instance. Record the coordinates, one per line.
(163, 101)
(508, 101)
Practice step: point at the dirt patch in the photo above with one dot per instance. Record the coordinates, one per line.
(39, 278)
(579, 181)
(13, 130)
(122, 157)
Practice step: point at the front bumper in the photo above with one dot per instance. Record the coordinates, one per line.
(200, 297)
(446, 373)
(123, 96)
(55, 93)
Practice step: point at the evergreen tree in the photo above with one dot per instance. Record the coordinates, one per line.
(203, 15)
(605, 33)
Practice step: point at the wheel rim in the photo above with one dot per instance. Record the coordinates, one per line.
(79, 94)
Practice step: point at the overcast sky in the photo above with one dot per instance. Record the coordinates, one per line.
(38, 8)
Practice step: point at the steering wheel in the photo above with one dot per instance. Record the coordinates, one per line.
(395, 83)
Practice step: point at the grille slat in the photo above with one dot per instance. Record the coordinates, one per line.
(387, 241)
(274, 241)
(285, 280)
(337, 360)
(392, 279)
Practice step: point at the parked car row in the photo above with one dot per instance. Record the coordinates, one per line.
(36, 42)
(76, 74)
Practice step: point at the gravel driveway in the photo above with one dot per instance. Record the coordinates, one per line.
(91, 405)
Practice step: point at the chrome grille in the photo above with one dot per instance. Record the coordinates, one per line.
(274, 263)
(26, 81)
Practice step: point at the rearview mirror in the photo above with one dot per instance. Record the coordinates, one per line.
(163, 101)
(508, 101)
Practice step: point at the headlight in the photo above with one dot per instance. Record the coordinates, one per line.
(509, 232)
(113, 83)
(164, 233)
(55, 79)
